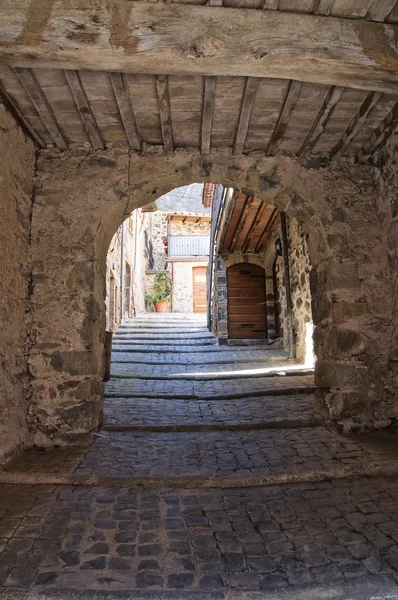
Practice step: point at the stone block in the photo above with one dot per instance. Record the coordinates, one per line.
(336, 374)
(339, 341)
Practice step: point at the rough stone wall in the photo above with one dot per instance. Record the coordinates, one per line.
(183, 285)
(83, 196)
(388, 181)
(299, 270)
(189, 228)
(16, 185)
(158, 233)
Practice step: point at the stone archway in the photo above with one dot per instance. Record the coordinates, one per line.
(81, 199)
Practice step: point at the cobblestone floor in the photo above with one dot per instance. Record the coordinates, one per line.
(211, 356)
(333, 528)
(255, 539)
(211, 454)
(208, 371)
(139, 412)
(154, 388)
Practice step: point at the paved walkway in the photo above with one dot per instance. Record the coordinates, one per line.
(213, 478)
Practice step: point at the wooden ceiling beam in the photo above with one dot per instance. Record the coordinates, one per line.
(13, 108)
(84, 109)
(41, 104)
(292, 94)
(266, 230)
(380, 135)
(207, 114)
(123, 100)
(245, 112)
(380, 9)
(318, 127)
(357, 122)
(144, 37)
(257, 219)
(242, 222)
(162, 87)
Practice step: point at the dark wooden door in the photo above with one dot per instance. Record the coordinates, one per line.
(246, 302)
(199, 289)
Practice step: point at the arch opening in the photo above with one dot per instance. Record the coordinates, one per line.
(67, 389)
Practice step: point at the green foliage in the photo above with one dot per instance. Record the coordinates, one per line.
(161, 289)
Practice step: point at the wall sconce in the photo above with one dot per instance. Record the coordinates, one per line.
(278, 247)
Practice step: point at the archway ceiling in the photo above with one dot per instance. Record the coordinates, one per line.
(81, 106)
(250, 226)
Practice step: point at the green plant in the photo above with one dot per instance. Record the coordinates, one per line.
(161, 288)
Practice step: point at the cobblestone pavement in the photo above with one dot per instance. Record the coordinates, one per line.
(214, 355)
(255, 539)
(154, 388)
(227, 454)
(247, 412)
(147, 510)
(204, 371)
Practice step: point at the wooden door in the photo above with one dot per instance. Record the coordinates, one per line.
(199, 289)
(246, 302)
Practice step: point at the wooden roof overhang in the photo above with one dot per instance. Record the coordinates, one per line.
(250, 226)
(279, 76)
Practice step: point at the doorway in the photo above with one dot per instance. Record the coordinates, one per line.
(199, 275)
(246, 302)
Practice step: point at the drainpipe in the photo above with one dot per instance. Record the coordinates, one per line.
(289, 315)
(122, 275)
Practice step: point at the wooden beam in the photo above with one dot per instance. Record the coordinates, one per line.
(84, 109)
(41, 104)
(266, 230)
(318, 127)
(380, 135)
(162, 86)
(366, 108)
(323, 7)
(261, 209)
(207, 114)
(292, 94)
(144, 37)
(380, 9)
(242, 222)
(245, 112)
(13, 108)
(123, 100)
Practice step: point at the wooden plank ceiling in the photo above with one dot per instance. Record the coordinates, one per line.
(275, 116)
(251, 225)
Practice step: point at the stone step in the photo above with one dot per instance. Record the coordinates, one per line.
(209, 459)
(161, 343)
(193, 349)
(188, 337)
(225, 389)
(191, 360)
(211, 415)
(190, 331)
(276, 372)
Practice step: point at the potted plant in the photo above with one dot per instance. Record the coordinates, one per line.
(160, 295)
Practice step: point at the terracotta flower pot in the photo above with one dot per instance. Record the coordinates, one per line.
(161, 306)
